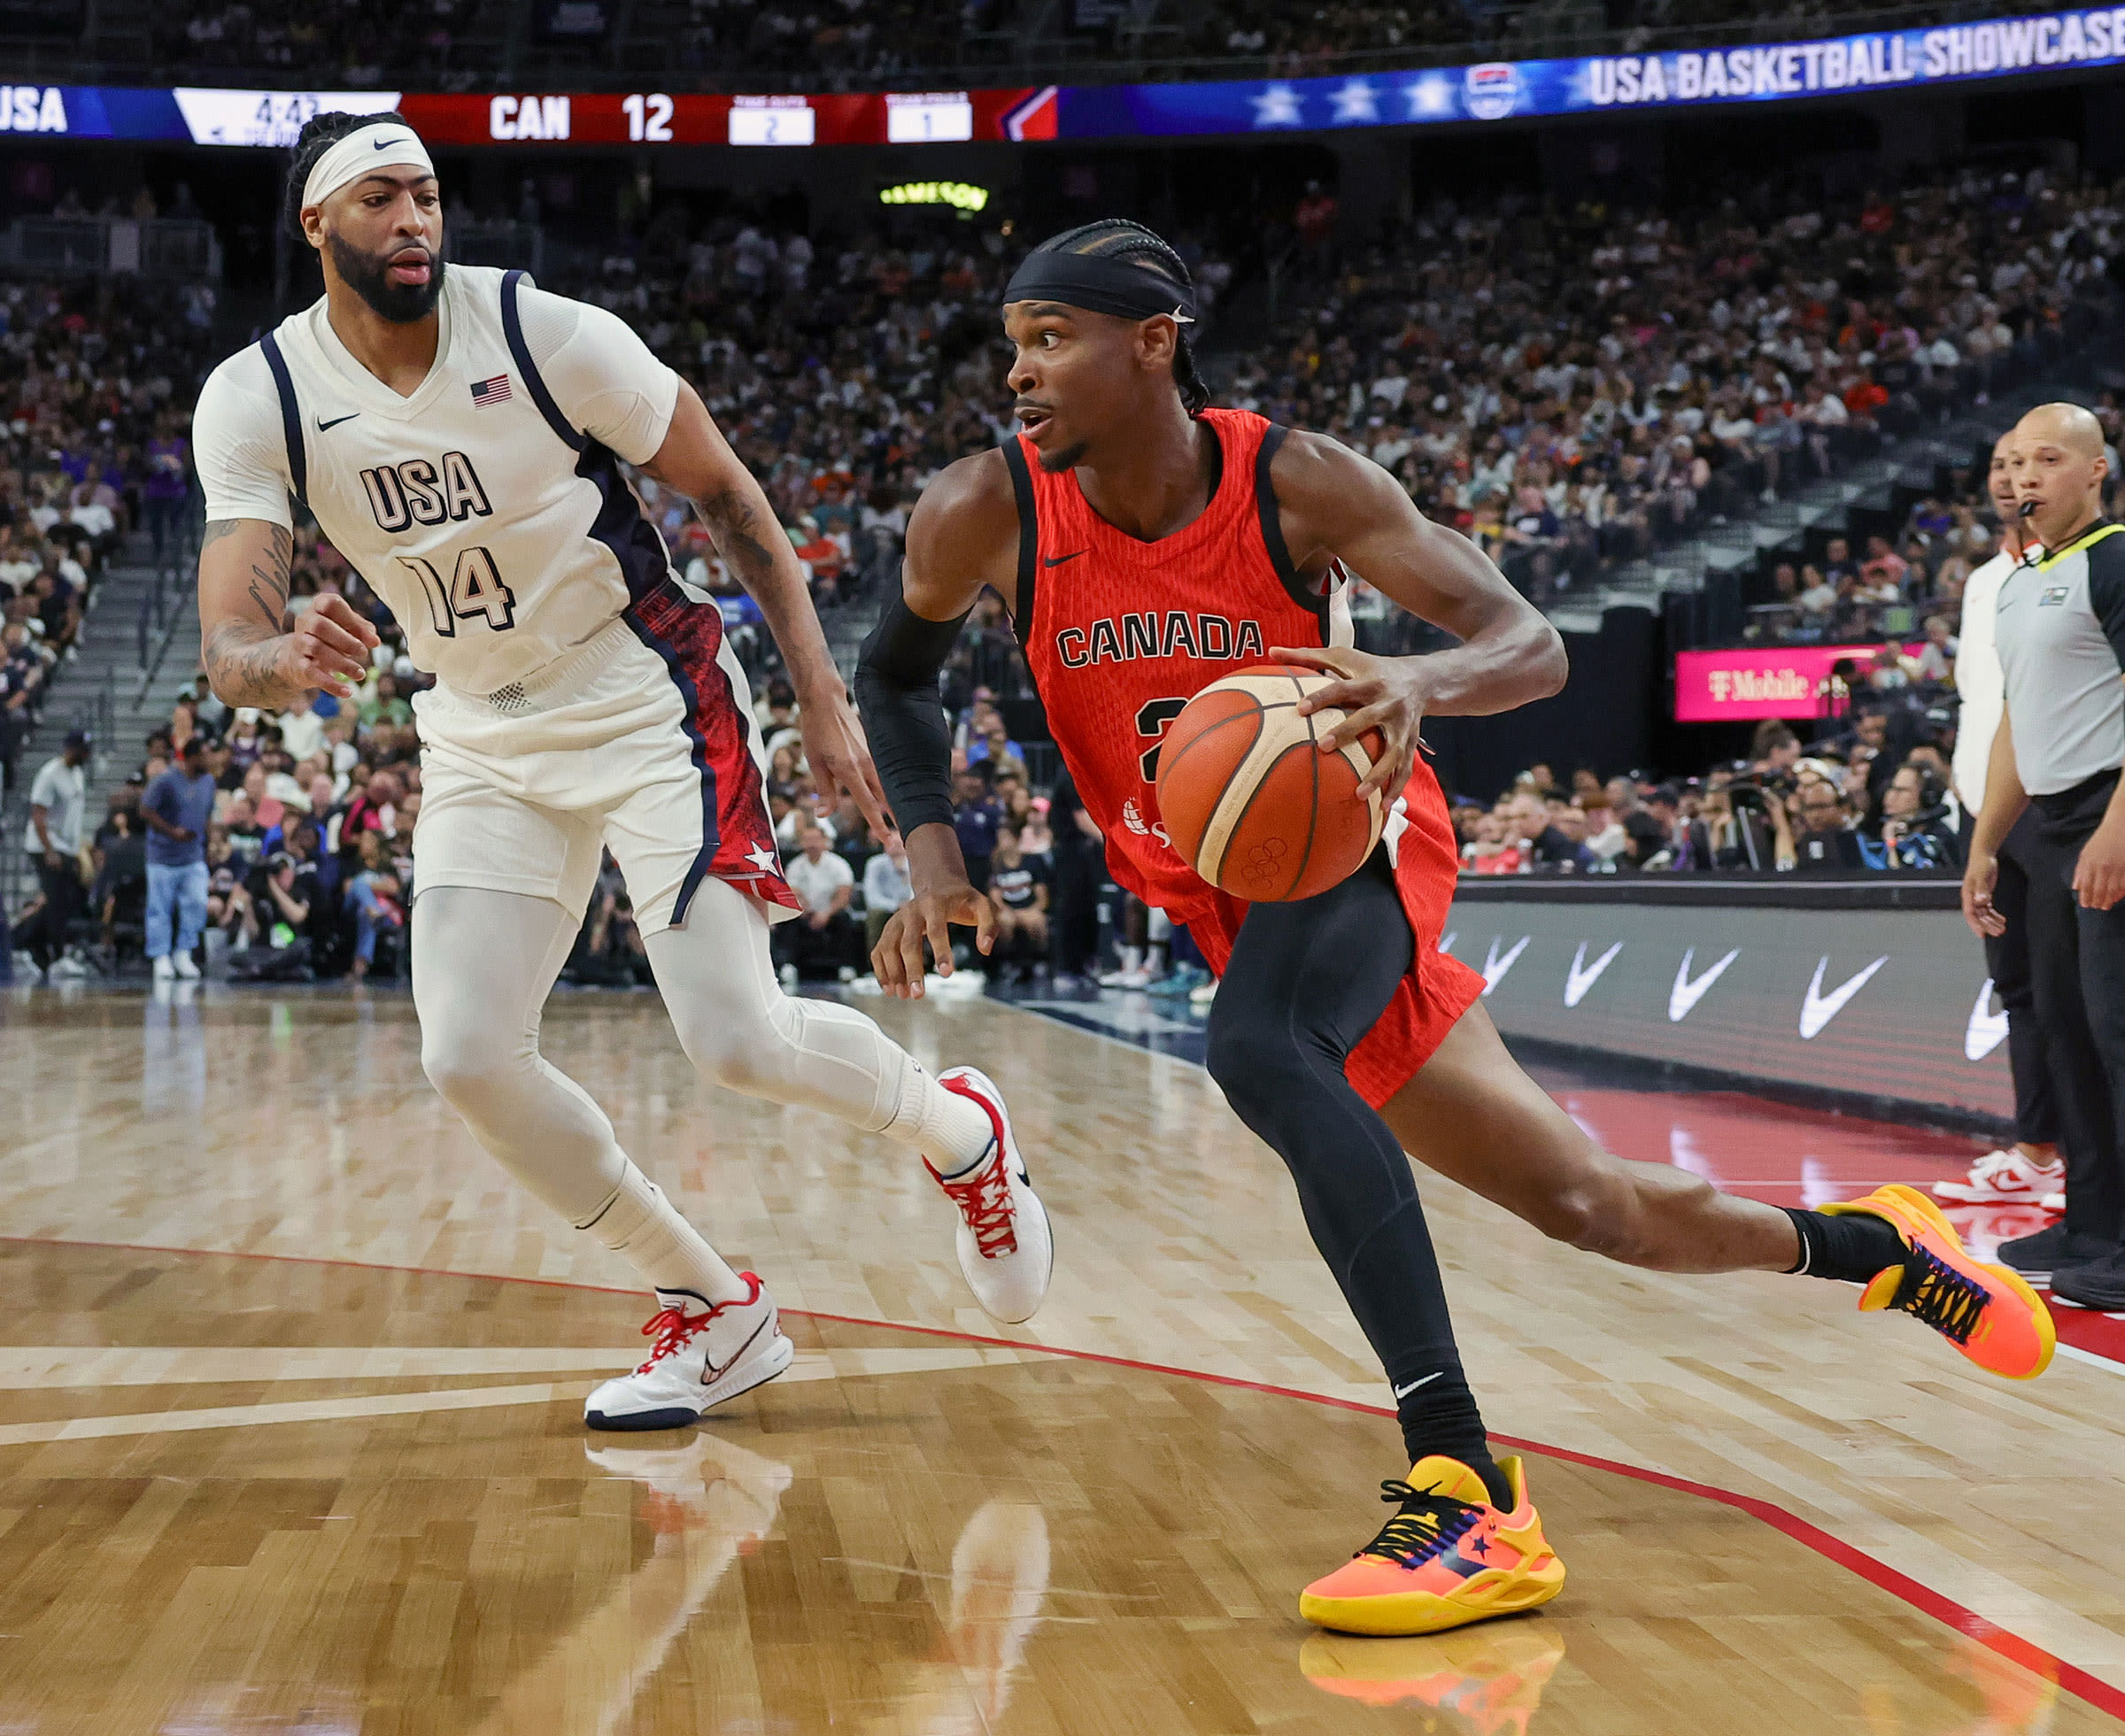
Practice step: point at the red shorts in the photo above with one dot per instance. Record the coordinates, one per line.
(1439, 988)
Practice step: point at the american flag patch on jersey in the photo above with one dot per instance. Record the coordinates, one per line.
(485, 392)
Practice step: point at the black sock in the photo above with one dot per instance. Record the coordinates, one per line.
(1854, 1246)
(1438, 1414)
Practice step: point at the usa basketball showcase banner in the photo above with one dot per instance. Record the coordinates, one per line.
(1871, 61)
(1505, 89)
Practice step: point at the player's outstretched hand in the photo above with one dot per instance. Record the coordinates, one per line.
(838, 756)
(898, 957)
(1382, 693)
(329, 647)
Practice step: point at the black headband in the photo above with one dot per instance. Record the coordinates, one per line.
(1100, 285)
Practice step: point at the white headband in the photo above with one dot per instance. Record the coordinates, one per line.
(384, 144)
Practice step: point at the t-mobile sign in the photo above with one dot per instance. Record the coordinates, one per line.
(1785, 681)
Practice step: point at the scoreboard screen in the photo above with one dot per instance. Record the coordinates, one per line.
(653, 118)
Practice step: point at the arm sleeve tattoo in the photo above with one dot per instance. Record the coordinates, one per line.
(242, 659)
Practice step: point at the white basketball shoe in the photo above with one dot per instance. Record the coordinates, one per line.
(2003, 1177)
(704, 1356)
(1005, 1249)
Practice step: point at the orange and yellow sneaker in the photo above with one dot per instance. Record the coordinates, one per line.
(1986, 1312)
(1491, 1681)
(1448, 1557)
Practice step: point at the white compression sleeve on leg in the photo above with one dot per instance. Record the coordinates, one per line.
(646, 1230)
(484, 964)
(738, 1027)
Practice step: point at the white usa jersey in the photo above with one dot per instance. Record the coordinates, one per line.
(487, 508)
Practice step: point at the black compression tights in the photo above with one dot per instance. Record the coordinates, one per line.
(1306, 982)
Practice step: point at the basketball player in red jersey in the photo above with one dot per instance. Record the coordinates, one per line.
(1148, 544)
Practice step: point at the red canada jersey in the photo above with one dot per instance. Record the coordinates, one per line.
(1122, 634)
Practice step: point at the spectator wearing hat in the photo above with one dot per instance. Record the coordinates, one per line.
(53, 838)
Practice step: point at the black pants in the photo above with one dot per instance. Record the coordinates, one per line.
(2007, 959)
(818, 951)
(64, 901)
(2077, 961)
(1073, 929)
(1305, 983)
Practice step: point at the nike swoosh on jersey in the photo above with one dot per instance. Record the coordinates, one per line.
(1057, 559)
(1578, 981)
(322, 424)
(1820, 1008)
(1683, 998)
(1987, 1030)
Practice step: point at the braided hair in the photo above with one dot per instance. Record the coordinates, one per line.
(1129, 243)
(319, 133)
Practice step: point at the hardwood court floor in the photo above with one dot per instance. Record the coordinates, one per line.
(270, 1493)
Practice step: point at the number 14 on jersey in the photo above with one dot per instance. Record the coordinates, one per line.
(474, 592)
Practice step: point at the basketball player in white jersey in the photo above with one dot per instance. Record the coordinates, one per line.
(458, 436)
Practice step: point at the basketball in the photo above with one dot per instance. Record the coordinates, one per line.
(1249, 800)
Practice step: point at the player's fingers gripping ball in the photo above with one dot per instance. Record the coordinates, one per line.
(1249, 800)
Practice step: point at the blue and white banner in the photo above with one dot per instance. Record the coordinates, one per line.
(1495, 90)
(1502, 89)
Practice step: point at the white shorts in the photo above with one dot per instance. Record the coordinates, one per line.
(641, 741)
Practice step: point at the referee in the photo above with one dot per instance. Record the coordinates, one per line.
(2059, 630)
(2030, 1170)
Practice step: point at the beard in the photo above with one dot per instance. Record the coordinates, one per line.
(1068, 458)
(368, 276)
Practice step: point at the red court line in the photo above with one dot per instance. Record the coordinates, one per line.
(2076, 1681)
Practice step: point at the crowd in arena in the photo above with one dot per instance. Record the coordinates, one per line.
(1573, 390)
(1874, 794)
(95, 381)
(1902, 588)
(825, 44)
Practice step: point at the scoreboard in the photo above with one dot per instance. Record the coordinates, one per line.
(655, 117)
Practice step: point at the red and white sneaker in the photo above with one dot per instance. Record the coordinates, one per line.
(1005, 1250)
(2003, 1177)
(704, 1357)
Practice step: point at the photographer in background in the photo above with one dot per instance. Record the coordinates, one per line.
(1740, 826)
(1825, 842)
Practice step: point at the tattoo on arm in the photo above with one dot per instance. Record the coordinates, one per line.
(269, 580)
(243, 666)
(242, 660)
(732, 523)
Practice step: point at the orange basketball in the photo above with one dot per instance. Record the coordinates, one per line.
(1249, 800)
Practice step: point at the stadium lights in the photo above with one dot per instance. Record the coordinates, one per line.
(957, 193)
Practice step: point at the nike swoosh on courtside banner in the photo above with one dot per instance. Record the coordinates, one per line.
(1987, 1030)
(1820, 1008)
(1683, 998)
(1405, 1392)
(1577, 982)
(1495, 968)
